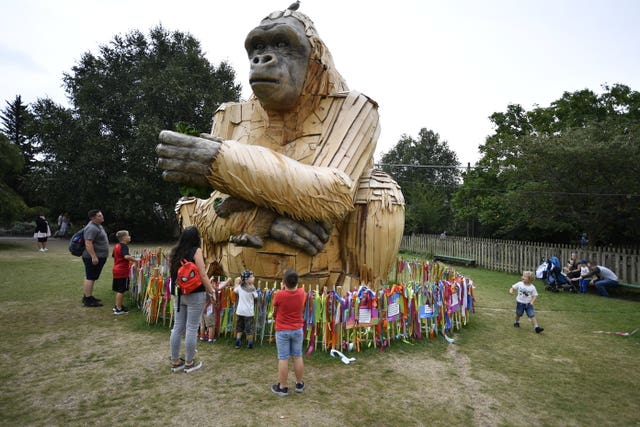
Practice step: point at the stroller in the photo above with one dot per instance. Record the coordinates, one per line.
(551, 272)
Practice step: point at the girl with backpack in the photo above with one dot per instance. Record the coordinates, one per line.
(188, 307)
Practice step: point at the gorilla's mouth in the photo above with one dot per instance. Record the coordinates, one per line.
(260, 80)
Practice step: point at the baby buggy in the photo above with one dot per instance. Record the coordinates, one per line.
(551, 272)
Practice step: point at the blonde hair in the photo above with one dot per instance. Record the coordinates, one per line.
(120, 234)
(529, 274)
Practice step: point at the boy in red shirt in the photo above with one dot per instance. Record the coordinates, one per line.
(120, 270)
(288, 304)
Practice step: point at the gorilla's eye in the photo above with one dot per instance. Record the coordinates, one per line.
(281, 44)
(258, 46)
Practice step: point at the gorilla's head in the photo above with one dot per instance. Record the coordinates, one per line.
(290, 66)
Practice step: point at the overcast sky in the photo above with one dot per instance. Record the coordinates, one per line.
(444, 65)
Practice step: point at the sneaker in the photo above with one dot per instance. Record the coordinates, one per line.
(237, 345)
(193, 367)
(89, 302)
(516, 325)
(91, 298)
(45, 250)
(178, 367)
(212, 340)
(41, 250)
(203, 338)
(539, 329)
(118, 311)
(280, 391)
(300, 387)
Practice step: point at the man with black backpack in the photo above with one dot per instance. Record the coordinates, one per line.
(94, 256)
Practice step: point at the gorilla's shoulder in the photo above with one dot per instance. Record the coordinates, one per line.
(354, 94)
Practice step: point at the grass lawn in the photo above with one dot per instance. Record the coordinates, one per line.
(63, 364)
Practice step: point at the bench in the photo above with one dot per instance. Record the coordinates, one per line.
(455, 260)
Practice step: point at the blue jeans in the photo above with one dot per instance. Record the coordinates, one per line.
(289, 343)
(521, 308)
(601, 286)
(188, 318)
(583, 285)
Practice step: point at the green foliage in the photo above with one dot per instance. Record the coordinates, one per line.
(552, 173)
(16, 119)
(101, 153)
(428, 173)
(12, 206)
(11, 162)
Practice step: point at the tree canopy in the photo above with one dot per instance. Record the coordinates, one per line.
(553, 173)
(100, 153)
(428, 173)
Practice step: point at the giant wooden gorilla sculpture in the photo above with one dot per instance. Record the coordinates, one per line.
(291, 169)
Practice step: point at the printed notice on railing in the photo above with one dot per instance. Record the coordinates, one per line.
(393, 311)
(364, 315)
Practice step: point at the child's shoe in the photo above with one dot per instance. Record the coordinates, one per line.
(237, 345)
(539, 329)
(250, 345)
(300, 387)
(280, 391)
(516, 324)
(122, 310)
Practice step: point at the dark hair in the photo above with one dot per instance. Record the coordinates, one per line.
(92, 213)
(290, 279)
(189, 240)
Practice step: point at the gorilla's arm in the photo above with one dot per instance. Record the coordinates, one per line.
(186, 159)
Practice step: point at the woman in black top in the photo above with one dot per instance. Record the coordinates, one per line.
(42, 232)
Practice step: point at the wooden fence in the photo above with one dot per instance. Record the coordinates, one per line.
(513, 256)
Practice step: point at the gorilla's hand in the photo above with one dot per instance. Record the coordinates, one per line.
(309, 236)
(186, 159)
(230, 205)
(249, 240)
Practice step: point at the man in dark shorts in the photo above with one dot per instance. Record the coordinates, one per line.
(94, 256)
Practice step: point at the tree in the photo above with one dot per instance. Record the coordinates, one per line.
(62, 146)
(552, 173)
(428, 173)
(104, 148)
(16, 124)
(16, 118)
(12, 207)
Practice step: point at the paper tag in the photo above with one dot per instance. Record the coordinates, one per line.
(364, 316)
(393, 311)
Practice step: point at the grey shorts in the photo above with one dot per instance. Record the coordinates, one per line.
(244, 324)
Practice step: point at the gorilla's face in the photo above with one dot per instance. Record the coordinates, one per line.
(279, 55)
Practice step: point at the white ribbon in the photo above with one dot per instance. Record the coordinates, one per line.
(346, 360)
